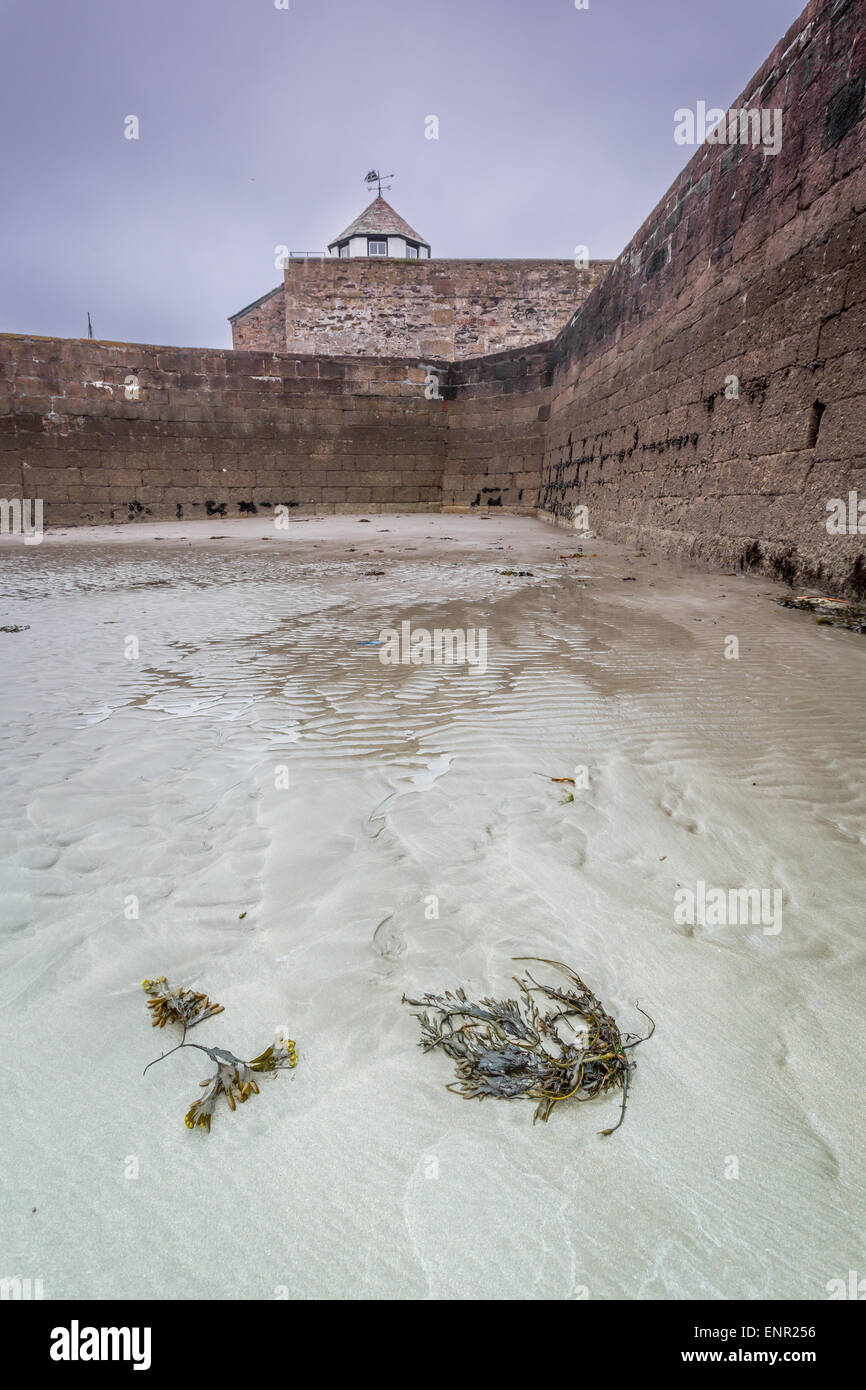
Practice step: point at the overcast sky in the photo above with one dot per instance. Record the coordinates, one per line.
(257, 126)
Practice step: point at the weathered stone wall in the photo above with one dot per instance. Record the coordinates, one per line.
(107, 432)
(122, 431)
(752, 267)
(497, 408)
(428, 308)
(262, 326)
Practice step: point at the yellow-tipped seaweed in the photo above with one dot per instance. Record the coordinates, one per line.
(234, 1078)
(184, 1006)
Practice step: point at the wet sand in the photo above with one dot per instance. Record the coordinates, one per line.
(738, 1171)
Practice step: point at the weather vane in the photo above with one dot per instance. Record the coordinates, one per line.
(375, 177)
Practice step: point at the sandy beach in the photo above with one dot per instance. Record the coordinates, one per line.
(420, 843)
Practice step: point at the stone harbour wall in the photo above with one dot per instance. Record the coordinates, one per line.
(709, 396)
(498, 406)
(108, 432)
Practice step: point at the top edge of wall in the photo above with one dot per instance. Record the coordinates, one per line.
(254, 354)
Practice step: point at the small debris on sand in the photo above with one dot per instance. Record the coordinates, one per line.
(831, 612)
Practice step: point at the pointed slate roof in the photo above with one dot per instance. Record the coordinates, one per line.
(379, 218)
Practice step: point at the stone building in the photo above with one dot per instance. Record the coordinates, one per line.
(378, 291)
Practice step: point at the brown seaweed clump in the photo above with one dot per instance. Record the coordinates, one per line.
(234, 1078)
(548, 1045)
(182, 1006)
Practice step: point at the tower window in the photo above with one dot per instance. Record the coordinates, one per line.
(377, 247)
(344, 248)
(411, 252)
